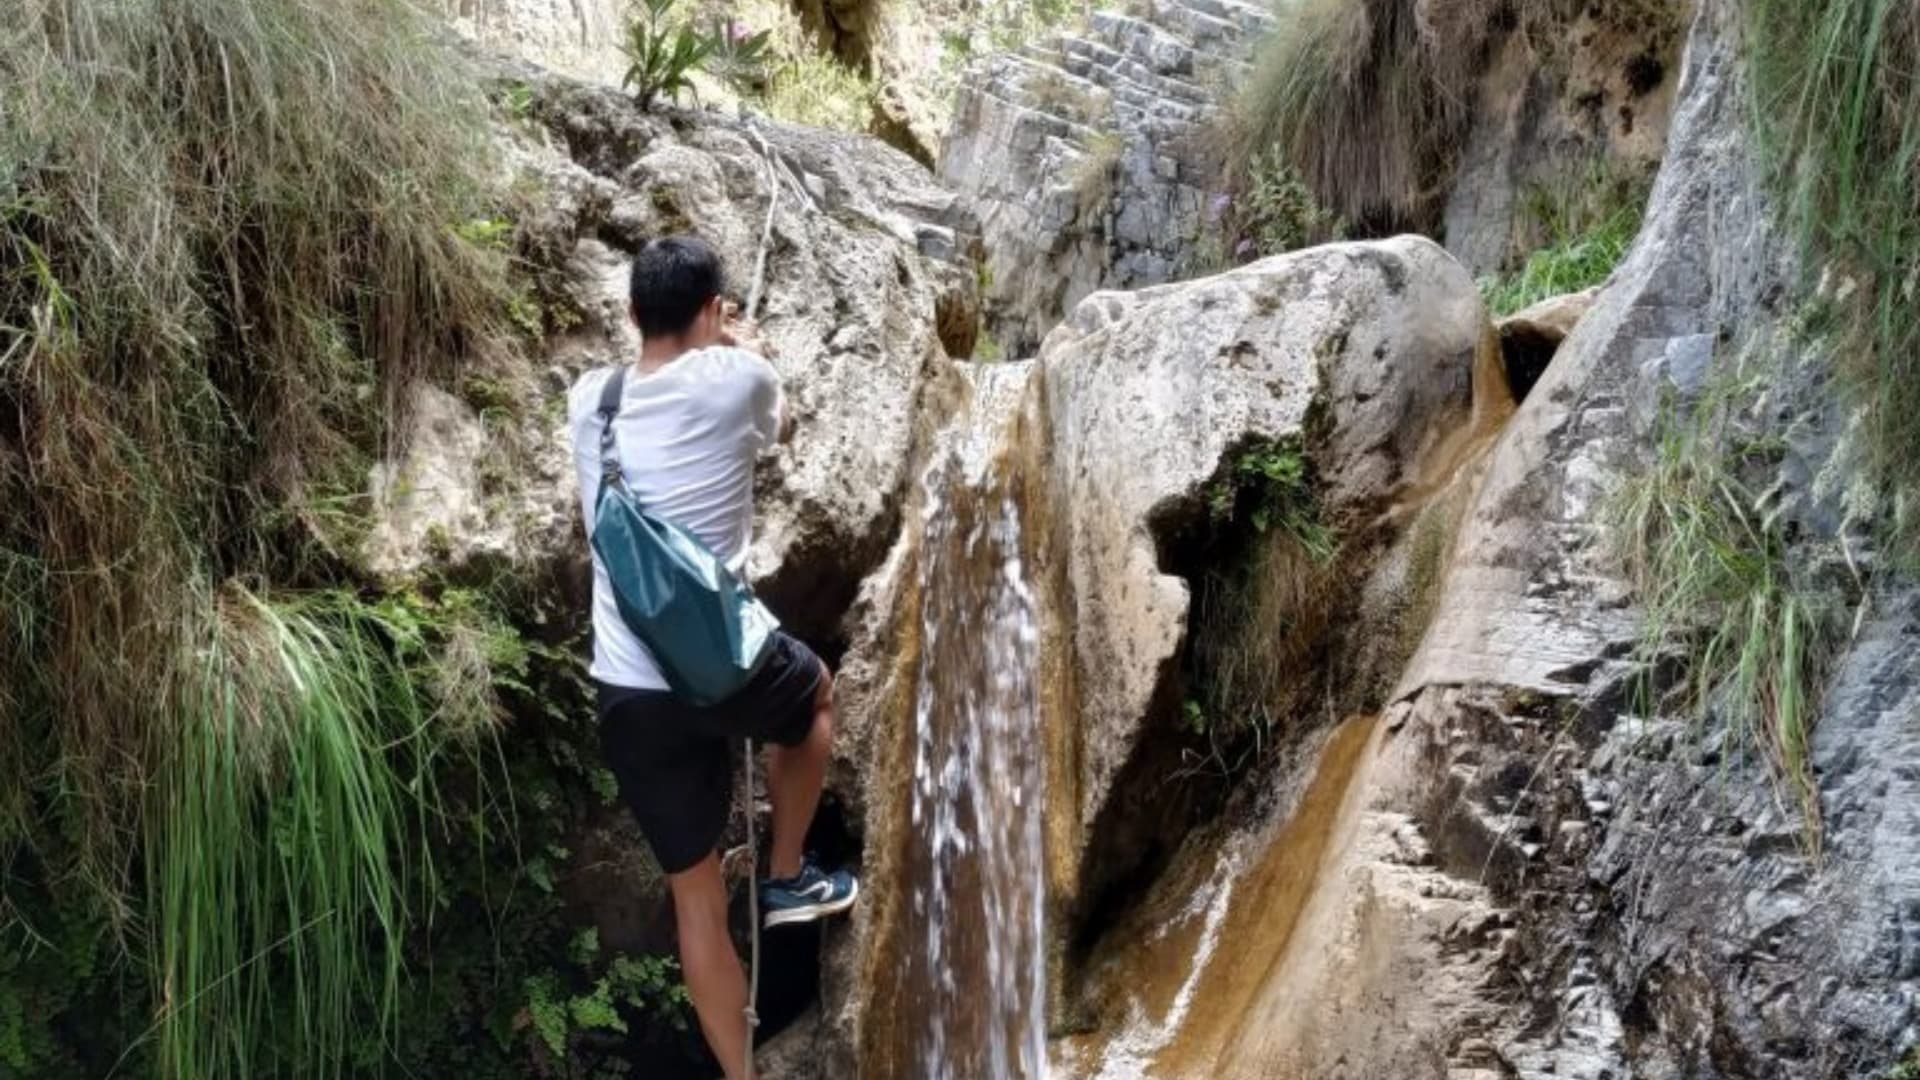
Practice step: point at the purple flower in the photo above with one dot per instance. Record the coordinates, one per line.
(1243, 249)
(738, 32)
(1217, 208)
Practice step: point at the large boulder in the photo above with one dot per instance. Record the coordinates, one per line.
(1362, 353)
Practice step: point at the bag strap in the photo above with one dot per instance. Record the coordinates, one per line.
(609, 410)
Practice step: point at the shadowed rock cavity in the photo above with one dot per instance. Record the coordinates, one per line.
(1531, 339)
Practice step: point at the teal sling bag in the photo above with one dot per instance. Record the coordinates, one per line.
(704, 627)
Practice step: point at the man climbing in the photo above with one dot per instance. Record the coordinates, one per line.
(693, 414)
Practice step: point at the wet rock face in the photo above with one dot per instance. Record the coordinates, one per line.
(1086, 154)
(1660, 916)
(868, 280)
(1363, 352)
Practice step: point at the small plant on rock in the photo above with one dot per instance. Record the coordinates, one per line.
(1280, 212)
(663, 52)
(740, 56)
(1094, 174)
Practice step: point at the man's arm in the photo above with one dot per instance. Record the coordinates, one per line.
(738, 334)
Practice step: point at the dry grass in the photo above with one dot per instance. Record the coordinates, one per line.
(1368, 101)
(228, 234)
(1094, 175)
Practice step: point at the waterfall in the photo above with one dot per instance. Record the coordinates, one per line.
(974, 991)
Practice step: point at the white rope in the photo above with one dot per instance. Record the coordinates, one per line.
(753, 913)
(746, 798)
(766, 230)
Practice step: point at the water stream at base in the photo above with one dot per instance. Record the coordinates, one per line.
(974, 990)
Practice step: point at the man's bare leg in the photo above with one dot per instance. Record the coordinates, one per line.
(715, 980)
(795, 775)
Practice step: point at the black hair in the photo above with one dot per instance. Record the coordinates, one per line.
(673, 279)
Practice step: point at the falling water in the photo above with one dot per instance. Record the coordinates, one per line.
(975, 984)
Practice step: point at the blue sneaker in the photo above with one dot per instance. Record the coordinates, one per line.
(814, 894)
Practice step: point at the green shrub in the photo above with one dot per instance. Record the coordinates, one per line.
(662, 52)
(741, 57)
(1275, 214)
(643, 985)
(1270, 484)
(1838, 108)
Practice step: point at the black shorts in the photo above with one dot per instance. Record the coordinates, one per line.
(674, 761)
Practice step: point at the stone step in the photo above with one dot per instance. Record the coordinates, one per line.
(1250, 16)
(1253, 20)
(1090, 66)
(1221, 32)
(1144, 42)
(1194, 34)
(1094, 61)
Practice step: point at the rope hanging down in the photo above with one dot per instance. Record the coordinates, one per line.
(746, 792)
(753, 913)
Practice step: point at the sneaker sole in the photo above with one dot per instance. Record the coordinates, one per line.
(811, 912)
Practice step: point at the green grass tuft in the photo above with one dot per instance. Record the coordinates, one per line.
(282, 816)
(1837, 103)
(1726, 590)
(1581, 249)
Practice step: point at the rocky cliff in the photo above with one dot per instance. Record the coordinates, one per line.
(1525, 872)
(1484, 850)
(1088, 154)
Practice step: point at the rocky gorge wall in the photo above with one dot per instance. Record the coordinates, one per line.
(1525, 873)
(1098, 155)
(1512, 869)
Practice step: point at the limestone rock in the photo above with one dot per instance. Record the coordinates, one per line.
(1553, 318)
(578, 37)
(868, 266)
(449, 498)
(1555, 115)
(1085, 156)
(1364, 352)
